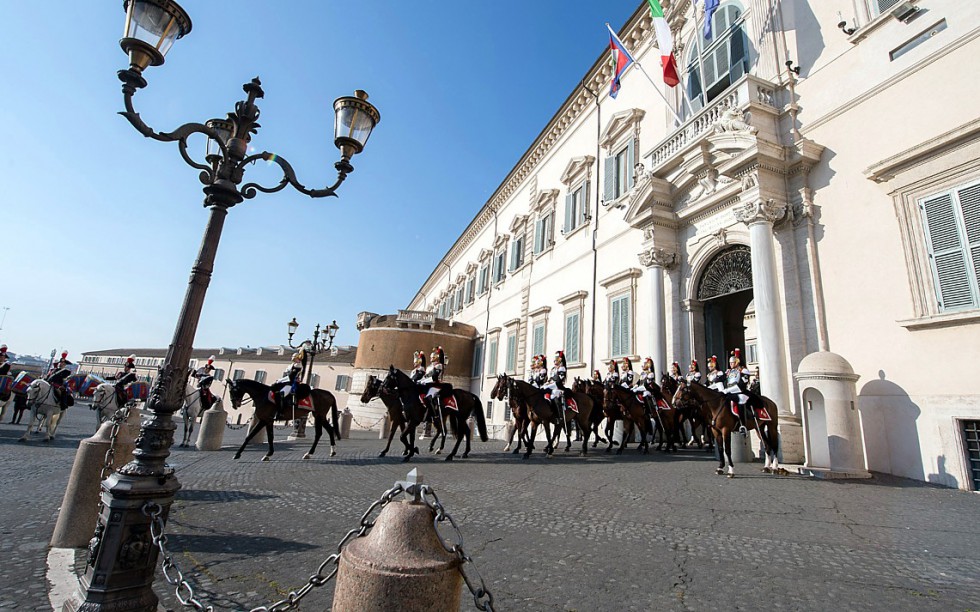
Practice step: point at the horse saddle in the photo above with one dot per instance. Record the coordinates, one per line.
(662, 405)
(448, 403)
(572, 405)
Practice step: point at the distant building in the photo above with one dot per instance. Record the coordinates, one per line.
(331, 370)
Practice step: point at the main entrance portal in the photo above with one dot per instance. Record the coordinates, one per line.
(726, 292)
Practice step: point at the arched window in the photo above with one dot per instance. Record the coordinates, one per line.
(725, 58)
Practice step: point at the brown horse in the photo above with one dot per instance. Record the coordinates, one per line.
(570, 418)
(396, 417)
(687, 412)
(267, 412)
(410, 395)
(539, 410)
(517, 410)
(621, 403)
(723, 423)
(594, 391)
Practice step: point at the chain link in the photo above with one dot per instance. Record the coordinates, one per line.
(363, 426)
(183, 591)
(118, 419)
(482, 597)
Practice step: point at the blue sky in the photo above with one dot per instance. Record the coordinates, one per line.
(100, 226)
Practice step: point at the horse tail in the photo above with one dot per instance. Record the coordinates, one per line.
(333, 413)
(481, 423)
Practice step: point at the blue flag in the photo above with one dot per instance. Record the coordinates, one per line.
(710, 6)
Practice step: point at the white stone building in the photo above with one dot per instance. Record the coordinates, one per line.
(830, 176)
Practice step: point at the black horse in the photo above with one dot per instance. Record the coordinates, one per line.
(267, 412)
(411, 395)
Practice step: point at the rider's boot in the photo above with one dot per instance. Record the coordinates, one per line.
(741, 420)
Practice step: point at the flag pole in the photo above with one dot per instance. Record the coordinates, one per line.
(640, 66)
(698, 35)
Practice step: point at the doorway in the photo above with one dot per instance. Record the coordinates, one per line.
(725, 290)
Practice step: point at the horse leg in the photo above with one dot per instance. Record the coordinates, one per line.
(586, 430)
(460, 434)
(331, 431)
(529, 446)
(469, 436)
(610, 426)
(445, 432)
(251, 434)
(272, 450)
(627, 432)
(408, 438)
(510, 438)
(318, 428)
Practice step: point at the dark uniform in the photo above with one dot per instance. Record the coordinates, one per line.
(205, 376)
(56, 377)
(4, 361)
(125, 377)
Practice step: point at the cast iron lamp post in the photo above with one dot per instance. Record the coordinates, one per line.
(311, 347)
(122, 557)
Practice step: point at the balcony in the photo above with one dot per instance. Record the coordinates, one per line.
(747, 93)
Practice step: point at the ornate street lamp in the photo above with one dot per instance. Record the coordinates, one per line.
(312, 347)
(122, 554)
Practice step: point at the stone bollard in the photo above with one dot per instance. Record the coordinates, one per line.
(212, 431)
(79, 508)
(346, 419)
(261, 438)
(742, 448)
(400, 565)
(385, 427)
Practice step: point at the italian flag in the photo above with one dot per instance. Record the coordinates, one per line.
(665, 43)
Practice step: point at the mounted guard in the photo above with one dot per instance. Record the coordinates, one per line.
(128, 375)
(612, 373)
(57, 377)
(555, 384)
(693, 372)
(647, 387)
(737, 391)
(205, 376)
(716, 378)
(4, 361)
(627, 377)
(676, 374)
(285, 388)
(433, 381)
(418, 366)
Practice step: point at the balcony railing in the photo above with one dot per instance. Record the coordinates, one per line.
(747, 90)
(422, 317)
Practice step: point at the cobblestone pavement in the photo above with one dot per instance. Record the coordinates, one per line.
(600, 533)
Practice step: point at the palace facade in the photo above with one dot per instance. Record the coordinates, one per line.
(819, 190)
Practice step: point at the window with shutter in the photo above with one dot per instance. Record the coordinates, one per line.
(622, 171)
(491, 366)
(952, 224)
(537, 341)
(477, 369)
(538, 236)
(571, 338)
(260, 376)
(609, 179)
(877, 7)
(511, 363)
(620, 331)
(583, 203)
(569, 213)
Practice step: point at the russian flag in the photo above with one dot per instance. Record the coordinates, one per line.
(621, 61)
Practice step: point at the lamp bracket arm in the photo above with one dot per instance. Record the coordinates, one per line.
(250, 190)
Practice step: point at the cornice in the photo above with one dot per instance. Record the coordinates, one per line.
(619, 276)
(637, 30)
(575, 167)
(571, 297)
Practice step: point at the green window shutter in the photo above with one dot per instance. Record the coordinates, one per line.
(609, 179)
(626, 326)
(477, 359)
(511, 353)
(947, 254)
(630, 162)
(571, 338)
(583, 212)
(538, 236)
(492, 356)
(569, 203)
(969, 198)
(615, 317)
(537, 342)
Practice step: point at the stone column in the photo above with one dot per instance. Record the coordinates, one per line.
(658, 260)
(760, 215)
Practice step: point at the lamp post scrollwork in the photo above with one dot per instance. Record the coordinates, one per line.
(121, 565)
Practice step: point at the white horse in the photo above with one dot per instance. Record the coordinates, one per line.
(105, 402)
(44, 405)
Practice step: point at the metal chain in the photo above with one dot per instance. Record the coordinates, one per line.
(363, 426)
(117, 419)
(482, 597)
(185, 593)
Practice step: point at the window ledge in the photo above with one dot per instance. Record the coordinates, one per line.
(947, 319)
(576, 230)
(619, 201)
(546, 250)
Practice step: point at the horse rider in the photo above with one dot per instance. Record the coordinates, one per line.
(737, 391)
(205, 376)
(555, 385)
(627, 377)
(57, 376)
(418, 366)
(596, 377)
(646, 384)
(125, 377)
(693, 372)
(285, 387)
(675, 373)
(433, 379)
(539, 371)
(612, 373)
(4, 360)
(715, 378)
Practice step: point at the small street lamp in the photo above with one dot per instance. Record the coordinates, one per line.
(312, 347)
(122, 556)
